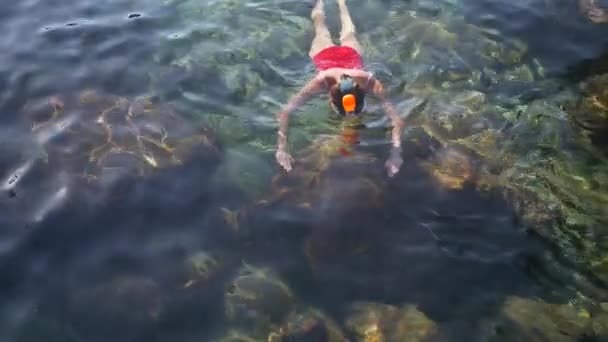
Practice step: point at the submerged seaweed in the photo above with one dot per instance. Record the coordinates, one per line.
(343, 252)
(484, 95)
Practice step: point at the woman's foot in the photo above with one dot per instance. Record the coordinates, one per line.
(318, 10)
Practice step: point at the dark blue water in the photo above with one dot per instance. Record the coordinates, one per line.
(554, 30)
(94, 252)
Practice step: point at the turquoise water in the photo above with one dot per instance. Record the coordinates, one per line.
(143, 203)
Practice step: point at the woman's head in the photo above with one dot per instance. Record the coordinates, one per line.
(347, 97)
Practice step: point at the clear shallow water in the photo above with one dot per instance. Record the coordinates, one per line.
(110, 259)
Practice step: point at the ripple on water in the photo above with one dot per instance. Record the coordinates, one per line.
(87, 255)
(554, 30)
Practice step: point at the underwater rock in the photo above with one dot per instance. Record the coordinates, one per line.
(559, 201)
(373, 322)
(515, 93)
(194, 285)
(534, 320)
(542, 123)
(242, 82)
(474, 100)
(599, 326)
(230, 130)
(328, 178)
(121, 309)
(487, 145)
(521, 73)
(443, 118)
(106, 144)
(244, 168)
(444, 52)
(451, 169)
(199, 269)
(89, 133)
(590, 111)
(309, 325)
(429, 8)
(549, 177)
(237, 336)
(456, 71)
(506, 52)
(256, 299)
(423, 81)
(597, 87)
(459, 116)
(430, 33)
(554, 190)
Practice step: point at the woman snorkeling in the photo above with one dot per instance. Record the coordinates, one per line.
(340, 72)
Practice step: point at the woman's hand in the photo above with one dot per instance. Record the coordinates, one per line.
(284, 159)
(394, 161)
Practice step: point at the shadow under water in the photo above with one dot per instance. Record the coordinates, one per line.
(114, 272)
(458, 254)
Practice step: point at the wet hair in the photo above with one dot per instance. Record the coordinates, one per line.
(346, 85)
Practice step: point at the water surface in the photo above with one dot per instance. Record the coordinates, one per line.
(74, 236)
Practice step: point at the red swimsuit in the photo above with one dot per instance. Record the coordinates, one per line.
(338, 57)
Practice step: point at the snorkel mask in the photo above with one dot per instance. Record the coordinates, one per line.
(350, 100)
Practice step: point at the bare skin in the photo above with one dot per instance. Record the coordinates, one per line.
(325, 79)
(593, 11)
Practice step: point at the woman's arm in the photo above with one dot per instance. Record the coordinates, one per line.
(313, 86)
(390, 111)
(394, 161)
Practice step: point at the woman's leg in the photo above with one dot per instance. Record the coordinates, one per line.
(347, 34)
(322, 38)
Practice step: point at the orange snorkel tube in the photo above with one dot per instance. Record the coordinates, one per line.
(349, 103)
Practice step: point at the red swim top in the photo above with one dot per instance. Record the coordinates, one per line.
(338, 57)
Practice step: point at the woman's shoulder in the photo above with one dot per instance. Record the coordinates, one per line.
(362, 77)
(337, 72)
